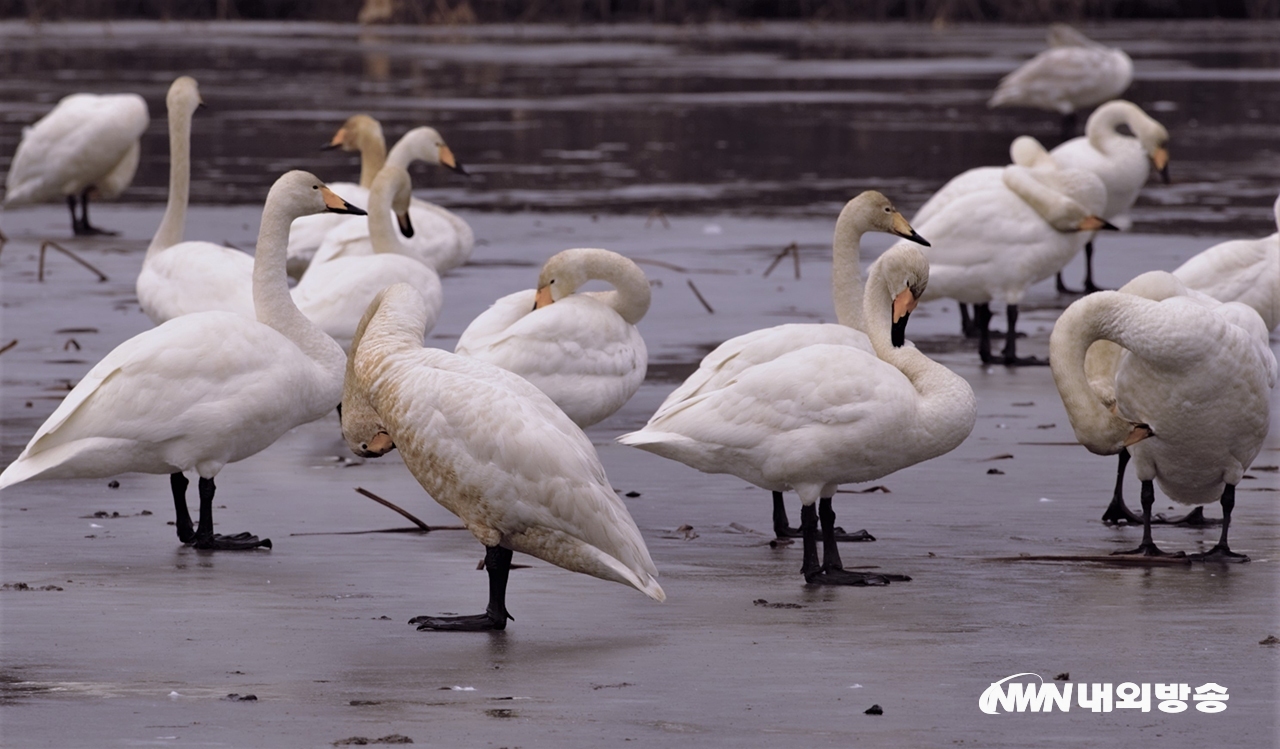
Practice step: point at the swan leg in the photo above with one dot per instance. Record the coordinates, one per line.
(969, 326)
(1148, 547)
(1089, 285)
(206, 539)
(186, 529)
(1010, 352)
(83, 227)
(497, 562)
(782, 525)
(1117, 512)
(832, 571)
(1221, 552)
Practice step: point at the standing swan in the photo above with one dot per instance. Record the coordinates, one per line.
(493, 450)
(201, 390)
(335, 294)
(88, 145)
(869, 211)
(582, 350)
(1122, 162)
(827, 415)
(178, 277)
(1074, 73)
(1189, 399)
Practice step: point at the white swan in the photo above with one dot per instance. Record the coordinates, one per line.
(177, 277)
(582, 350)
(992, 245)
(1122, 162)
(826, 415)
(87, 145)
(1023, 151)
(493, 450)
(201, 390)
(1167, 403)
(441, 239)
(360, 133)
(1241, 270)
(869, 211)
(1074, 73)
(335, 294)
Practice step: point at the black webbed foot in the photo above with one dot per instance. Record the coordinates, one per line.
(486, 622)
(837, 576)
(238, 542)
(1148, 550)
(1193, 519)
(1219, 553)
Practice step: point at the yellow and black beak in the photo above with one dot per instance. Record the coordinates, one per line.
(447, 159)
(1095, 223)
(335, 204)
(337, 141)
(380, 445)
(904, 230)
(543, 297)
(903, 304)
(1161, 160)
(406, 226)
(1140, 432)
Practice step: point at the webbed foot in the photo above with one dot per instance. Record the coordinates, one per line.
(239, 542)
(486, 622)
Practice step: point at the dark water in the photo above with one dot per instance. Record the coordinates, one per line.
(753, 119)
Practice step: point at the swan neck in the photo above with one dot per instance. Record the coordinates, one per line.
(173, 224)
(630, 296)
(1102, 124)
(383, 232)
(373, 156)
(396, 321)
(1099, 316)
(846, 272)
(1048, 203)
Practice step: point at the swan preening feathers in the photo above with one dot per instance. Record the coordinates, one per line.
(492, 449)
(201, 390)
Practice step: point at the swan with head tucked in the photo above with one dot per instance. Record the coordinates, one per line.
(1183, 385)
(581, 349)
(202, 390)
(493, 450)
(1122, 162)
(441, 240)
(869, 211)
(87, 145)
(993, 244)
(335, 294)
(826, 415)
(1074, 73)
(1240, 270)
(1023, 151)
(177, 277)
(360, 133)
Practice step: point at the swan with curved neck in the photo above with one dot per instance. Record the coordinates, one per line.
(1166, 403)
(441, 239)
(582, 349)
(335, 294)
(863, 415)
(88, 145)
(177, 277)
(492, 449)
(1122, 162)
(202, 390)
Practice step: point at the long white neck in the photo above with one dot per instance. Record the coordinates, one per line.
(630, 296)
(174, 222)
(396, 322)
(383, 233)
(846, 268)
(272, 303)
(1101, 126)
(416, 145)
(1060, 211)
(373, 156)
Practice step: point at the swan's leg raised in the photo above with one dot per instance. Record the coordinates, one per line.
(832, 571)
(497, 561)
(782, 525)
(206, 539)
(1148, 547)
(1221, 552)
(1010, 352)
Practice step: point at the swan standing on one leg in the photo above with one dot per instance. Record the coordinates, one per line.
(582, 350)
(87, 145)
(1122, 162)
(177, 277)
(827, 415)
(493, 450)
(334, 295)
(1074, 73)
(1191, 394)
(869, 211)
(201, 390)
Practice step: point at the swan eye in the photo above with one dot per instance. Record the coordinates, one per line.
(888, 209)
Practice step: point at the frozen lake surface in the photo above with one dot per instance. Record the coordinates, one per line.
(748, 139)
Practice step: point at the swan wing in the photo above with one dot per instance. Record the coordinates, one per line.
(196, 277)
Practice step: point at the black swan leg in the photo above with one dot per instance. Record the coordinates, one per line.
(1221, 552)
(207, 540)
(832, 571)
(1148, 547)
(497, 562)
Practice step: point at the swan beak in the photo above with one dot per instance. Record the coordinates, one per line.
(1094, 223)
(338, 138)
(447, 159)
(406, 226)
(903, 229)
(543, 297)
(904, 304)
(1161, 159)
(381, 444)
(335, 204)
(1140, 432)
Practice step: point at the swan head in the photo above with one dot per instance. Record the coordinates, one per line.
(903, 271)
(1151, 134)
(872, 211)
(424, 144)
(299, 193)
(1029, 152)
(355, 133)
(566, 271)
(184, 95)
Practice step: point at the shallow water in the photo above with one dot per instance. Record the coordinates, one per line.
(146, 638)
